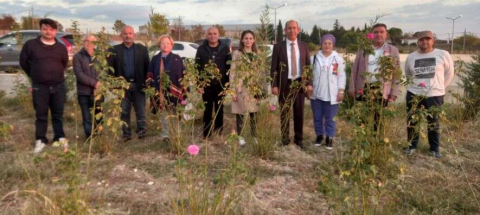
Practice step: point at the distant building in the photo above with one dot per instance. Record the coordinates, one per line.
(409, 40)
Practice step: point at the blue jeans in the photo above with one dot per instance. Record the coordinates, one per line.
(323, 114)
(86, 103)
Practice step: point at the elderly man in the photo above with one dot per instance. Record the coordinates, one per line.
(44, 60)
(369, 64)
(213, 51)
(87, 83)
(130, 60)
(288, 59)
(431, 71)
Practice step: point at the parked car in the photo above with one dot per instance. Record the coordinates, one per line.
(10, 54)
(184, 49)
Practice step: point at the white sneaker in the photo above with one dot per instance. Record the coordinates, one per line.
(241, 141)
(39, 146)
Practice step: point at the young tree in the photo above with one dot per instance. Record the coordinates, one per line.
(157, 24)
(118, 25)
(271, 33)
(178, 29)
(29, 22)
(264, 24)
(279, 31)
(315, 35)
(396, 35)
(303, 36)
(6, 22)
(221, 30)
(197, 32)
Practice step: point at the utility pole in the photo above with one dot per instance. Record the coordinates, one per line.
(453, 30)
(31, 19)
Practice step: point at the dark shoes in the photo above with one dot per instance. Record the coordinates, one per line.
(409, 151)
(329, 143)
(319, 140)
(435, 154)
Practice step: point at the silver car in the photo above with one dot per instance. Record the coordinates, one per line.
(10, 54)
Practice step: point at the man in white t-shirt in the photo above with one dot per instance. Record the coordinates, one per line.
(431, 71)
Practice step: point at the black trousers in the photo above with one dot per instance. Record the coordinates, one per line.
(253, 123)
(433, 126)
(137, 99)
(292, 102)
(48, 98)
(213, 108)
(378, 101)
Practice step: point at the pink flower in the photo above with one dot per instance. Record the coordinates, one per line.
(370, 36)
(360, 91)
(422, 84)
(233, 132)
(272, 108)
(379, 183)
(30, 89)
(193, 150)
(183, 102)
(385, 53)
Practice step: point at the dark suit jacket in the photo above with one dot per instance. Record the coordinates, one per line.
(142, 61)
(279, 69)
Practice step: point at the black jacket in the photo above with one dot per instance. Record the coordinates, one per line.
(222, 60)
(44, 64)
(142, 61)
(87, 76)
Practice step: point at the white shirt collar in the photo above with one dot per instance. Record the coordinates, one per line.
(290, 42)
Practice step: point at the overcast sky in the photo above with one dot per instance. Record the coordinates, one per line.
(408, 15)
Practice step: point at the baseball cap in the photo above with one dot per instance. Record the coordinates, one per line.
(423, 34)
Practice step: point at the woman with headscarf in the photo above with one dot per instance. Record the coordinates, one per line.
(329, 81)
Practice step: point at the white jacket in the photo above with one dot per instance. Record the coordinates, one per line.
(335, 81)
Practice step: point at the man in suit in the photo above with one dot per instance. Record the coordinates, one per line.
(288, 59)
(130, 60)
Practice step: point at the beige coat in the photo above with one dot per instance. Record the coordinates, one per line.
(357, 79)
(245, 103)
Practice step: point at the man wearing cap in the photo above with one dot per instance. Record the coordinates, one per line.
(431, 71)
(369, 64)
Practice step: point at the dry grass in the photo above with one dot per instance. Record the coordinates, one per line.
(138, 177)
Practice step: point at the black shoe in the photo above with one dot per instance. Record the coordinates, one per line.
(141, 134)
(436, 154)
(329, 143)
(127, 138)
(409, 151)
(299, 144)
(285, 142)
(319, 140)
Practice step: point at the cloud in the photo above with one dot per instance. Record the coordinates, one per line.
(406, 14)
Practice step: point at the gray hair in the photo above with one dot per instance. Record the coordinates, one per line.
(288, 22)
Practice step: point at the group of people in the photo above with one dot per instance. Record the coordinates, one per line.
(44, 60)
